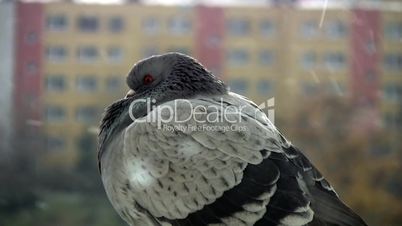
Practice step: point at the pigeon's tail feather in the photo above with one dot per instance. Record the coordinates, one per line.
(318, 222)
(329, 209)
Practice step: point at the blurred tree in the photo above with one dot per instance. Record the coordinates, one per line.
(353, 156)
(83, 177)
(87, 167)
(18, 176)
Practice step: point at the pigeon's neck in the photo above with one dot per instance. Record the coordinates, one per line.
(120, 114)
(115, 119)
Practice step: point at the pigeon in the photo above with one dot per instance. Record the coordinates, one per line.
(181, 149)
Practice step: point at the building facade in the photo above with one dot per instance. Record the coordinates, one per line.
(71, 59)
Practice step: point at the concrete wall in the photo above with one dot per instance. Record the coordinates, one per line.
(7, 24)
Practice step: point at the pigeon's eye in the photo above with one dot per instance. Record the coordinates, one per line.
(148, 79)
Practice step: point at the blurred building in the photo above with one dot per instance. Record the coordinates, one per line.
(71, 59)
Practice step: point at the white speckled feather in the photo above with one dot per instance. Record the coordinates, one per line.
(194, 165)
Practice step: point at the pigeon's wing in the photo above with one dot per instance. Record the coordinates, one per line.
(219, 161)
(328, 209)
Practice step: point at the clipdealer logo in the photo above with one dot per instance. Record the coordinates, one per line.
(220, 117)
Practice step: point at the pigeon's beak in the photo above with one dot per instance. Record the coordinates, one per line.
(130, 93)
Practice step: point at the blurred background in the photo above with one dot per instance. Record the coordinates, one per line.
(334, 69)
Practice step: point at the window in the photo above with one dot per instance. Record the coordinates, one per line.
(238, 86)
(56, 23)
(86, 83)
(115, 54)
(54, 143)
(87, 54)
(87, 114)
(55, 114)
(151, 25)
(32, 68)
(309, 29)
(116, 24)
(393, 92)
(264, 87)
(56, 53)
(334, 61)
(88, 23)
(55, 83)
(393, 61)
(179, 25)
(31, 38)
(393, 120)
(336, 29)
(388, 120)
(237, 57)
(267, 28)
(393, 31)
(266, 58)
(309, 60)
(113, 84)
(238, 27)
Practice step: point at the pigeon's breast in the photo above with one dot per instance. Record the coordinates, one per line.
(118, 187)
(165, 184)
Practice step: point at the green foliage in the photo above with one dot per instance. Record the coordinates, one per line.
(354, 158)
(66, 209)
(34, 196)
(18, 179)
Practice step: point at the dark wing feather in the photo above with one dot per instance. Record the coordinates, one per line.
(328, 208)
(257, 179)
(281, 173)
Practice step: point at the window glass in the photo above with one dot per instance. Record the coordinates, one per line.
(238, 86)
(264, 87)
(237, 57)
(238, 27)
(309, 29)
(267, 28)
(336, 29)
(179, 25)
(116, 24)
(151, 25)
(56, 23)
(55, 83)
(87, 114)
(393, 61)
(56, 53)
(115, 54)
(335, 61)
(114, 84)
(55, 114)
(266, 57)
(87, 54)
(87, 83)
(88, 24)
(309, 60)
(55, 143)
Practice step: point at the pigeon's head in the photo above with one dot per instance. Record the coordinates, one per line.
(158, 78)
(171, 76)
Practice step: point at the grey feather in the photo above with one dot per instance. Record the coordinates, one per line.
(183, 177)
